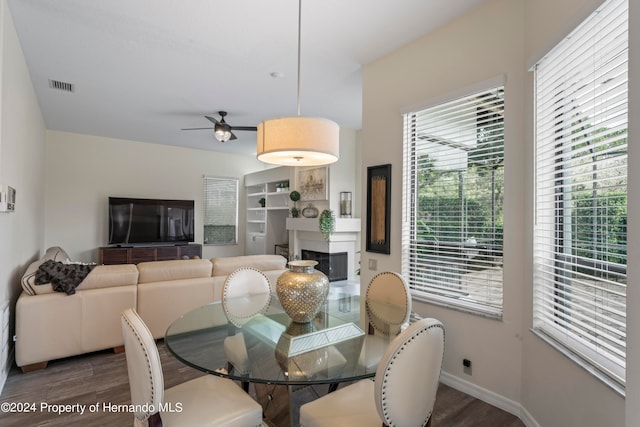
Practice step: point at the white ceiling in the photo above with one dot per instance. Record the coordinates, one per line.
(144, 69)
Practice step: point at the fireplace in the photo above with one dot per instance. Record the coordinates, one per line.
(336, 257)
(334, 265)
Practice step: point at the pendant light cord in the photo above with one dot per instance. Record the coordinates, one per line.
(299, 43)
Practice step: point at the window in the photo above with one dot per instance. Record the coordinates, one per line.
(220, 211)
(453, 201)
(580, 252)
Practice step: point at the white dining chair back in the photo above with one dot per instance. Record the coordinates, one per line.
(246, 293)
(388, 303)
(204, 401)
(408, 374)
(404, 390)
(388, 308)
(146, 380)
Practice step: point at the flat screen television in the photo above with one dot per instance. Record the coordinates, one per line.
(150, 221)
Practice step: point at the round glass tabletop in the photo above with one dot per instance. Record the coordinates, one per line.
(267, 347)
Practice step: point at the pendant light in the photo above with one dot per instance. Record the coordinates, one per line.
(298, 141)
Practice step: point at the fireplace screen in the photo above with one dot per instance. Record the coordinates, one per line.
(333, 265)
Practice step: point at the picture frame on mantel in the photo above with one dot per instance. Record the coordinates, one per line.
(378, 208)
(313, 183)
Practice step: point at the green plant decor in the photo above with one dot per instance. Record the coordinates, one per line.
(262, 202)
(327, 223)
(294, 195)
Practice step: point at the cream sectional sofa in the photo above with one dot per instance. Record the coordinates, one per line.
(51, 325)
(168, 289)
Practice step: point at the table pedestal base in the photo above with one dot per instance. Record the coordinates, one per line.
(281, 403)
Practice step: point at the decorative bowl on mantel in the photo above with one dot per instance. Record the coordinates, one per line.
(310, 211)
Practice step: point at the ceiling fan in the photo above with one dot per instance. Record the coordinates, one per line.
(222, 130)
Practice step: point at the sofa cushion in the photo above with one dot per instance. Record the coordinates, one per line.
(162, 271)
(54, 253)
(56, 325)
(227, 265)
(160, 303)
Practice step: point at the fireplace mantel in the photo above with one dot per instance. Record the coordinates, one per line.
(343, 225)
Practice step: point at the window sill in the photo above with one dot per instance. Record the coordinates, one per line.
(465, 307)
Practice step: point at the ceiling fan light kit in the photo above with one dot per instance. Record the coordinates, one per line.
(222, 132)
(298, 141)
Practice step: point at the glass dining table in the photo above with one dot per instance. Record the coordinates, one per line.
(278, 356)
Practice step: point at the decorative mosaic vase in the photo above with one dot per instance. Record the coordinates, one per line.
(302, 290)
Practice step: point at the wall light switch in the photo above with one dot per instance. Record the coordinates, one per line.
(373, 264)
(7, 198)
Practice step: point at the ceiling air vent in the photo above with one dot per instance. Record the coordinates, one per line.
(64, 86)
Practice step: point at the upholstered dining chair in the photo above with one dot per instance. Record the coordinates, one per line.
(403, 392)
(388, 308)
(245, 294)
(204, 401)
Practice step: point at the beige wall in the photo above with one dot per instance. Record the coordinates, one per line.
(481, 45)
(342, 174)
(82, 171)
(22, 136)
(510, 364)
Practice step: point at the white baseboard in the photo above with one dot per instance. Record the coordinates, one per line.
(528, 419)
(489, 397)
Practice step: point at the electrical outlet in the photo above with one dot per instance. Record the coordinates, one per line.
(373, 264)
(467, 366)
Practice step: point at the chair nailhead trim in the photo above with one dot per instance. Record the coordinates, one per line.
(384, 402)
(148, 360)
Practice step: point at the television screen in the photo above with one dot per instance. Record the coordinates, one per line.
(146, 221)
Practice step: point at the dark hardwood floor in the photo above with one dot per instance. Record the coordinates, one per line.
(101, 379)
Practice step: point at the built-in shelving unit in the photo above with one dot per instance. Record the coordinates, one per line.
(266, 225)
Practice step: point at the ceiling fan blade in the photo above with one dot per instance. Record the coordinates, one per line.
(212, 120)
(195, 128)
(232, 137)
(249, 128)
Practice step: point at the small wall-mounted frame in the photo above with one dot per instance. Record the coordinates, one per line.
(7, 198)
(313, 183)
(378, 208)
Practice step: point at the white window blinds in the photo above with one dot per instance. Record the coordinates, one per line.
(581, 192)
(220, 210)
(453, 187)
